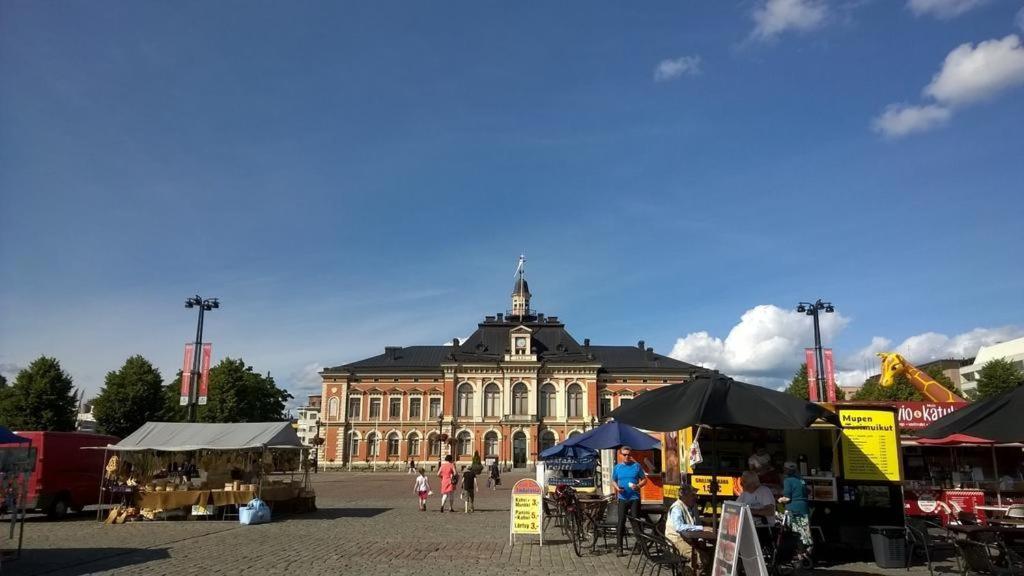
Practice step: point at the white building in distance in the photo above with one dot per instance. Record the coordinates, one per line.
(1011, 350)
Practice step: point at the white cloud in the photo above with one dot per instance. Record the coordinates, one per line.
(943, 9)
(764, 343)
(303, 382)
(670, 69)
(1019, 19)
(969, 74)
(773, 17)
(901, 119)
(973, 73)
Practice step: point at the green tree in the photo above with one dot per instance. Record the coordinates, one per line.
(798, 386)
(3, 382)
(130, 397)
(239, 394)
(997, 377)
(901, 390)
(41, 398)
(173, 411)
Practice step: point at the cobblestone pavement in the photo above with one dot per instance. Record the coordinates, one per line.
(367, 524)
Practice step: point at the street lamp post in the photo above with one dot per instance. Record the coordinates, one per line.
(317, 441)
(813, 309)
(440, 422)
(204, 305)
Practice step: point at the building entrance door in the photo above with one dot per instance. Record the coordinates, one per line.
(519, 450)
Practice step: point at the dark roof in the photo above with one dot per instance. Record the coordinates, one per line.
(636, 359)
(521, 286)
(550, 341)
(409, 358)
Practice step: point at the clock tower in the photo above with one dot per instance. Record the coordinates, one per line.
(521, 292)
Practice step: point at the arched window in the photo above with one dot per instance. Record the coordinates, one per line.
(519, 399)
(547, 439)
(464, 444)
(414, 444)
(433, 445)
(372, 445)
(548, 408)
(575, 400)
(574, 433)
(465, 400)
(353, 445)
(393, 442)
(492, 400)
(491, 443)
(332, 408)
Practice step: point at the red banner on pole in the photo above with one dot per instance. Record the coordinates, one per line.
(204, 374)
(830, 376)
(186, 373)
(812, 374)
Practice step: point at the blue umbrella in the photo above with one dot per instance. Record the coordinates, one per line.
(8, 437)
(613, 435)
(565, 451)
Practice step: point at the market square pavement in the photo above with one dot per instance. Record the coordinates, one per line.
(367, 523)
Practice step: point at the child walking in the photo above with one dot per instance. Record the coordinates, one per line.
(468, 488)
(422, 488)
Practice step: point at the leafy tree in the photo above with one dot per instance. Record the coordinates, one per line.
(130, 397)
(3, 381)
(41, 398)
(901, 389)
(997, 377)
(798, 386)
(236, 394)
(173, 411)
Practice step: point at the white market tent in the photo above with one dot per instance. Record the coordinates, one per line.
(186, 437)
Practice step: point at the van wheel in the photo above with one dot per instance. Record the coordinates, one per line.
(58, 510)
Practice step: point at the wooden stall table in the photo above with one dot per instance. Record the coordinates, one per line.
(279, 492)
(231, 497)
(172, 499)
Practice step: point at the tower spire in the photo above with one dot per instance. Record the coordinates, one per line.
(521, 290)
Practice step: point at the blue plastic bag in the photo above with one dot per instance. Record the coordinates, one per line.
(255, 512)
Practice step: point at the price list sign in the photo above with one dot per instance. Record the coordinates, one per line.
(527, 516)
(870, 445)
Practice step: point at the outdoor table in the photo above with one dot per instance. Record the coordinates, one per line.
(993, 511)
(235, 497)
(700, 538)
(592, 508)
(172, 499)
(278, 492)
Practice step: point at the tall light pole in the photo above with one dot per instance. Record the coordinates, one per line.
(204, 305)
(812, 309)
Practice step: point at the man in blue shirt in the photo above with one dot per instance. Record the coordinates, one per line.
(627, 479)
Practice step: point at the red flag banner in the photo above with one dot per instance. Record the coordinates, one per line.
(812, 374)
(186, 373)
(204, 374)
(830, 376)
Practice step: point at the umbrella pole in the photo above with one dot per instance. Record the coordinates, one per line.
(714, 480)
(995, 472)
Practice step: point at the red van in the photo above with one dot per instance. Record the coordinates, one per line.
(66, 477)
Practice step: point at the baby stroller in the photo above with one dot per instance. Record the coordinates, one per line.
(785, 550)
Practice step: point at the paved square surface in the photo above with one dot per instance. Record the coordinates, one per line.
(367, 524)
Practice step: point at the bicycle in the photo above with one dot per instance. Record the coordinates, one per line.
(574, 525)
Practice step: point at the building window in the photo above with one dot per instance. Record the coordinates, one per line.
(415, 408)
(547, 439)
(414, 445)
(492, 400)
(372, 444)
(548, 408)
(332, 408)
(605, 406)
(395, 408)
(520, 405)
(435, 407)
(625, 400)
(491, 444)
(575, 398)
(464, 444)
(434, 445)
(374, 408)
(393, 441)
(574, 433)
(465, 400)
(353, 445)
(355, 408)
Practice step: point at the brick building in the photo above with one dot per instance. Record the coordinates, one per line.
(517, 385)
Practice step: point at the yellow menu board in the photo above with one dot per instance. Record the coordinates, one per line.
(527, 516)
(871, 445)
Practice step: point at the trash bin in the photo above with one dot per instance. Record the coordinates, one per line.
(890, 546)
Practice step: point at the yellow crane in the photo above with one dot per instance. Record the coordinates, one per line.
(893, 365)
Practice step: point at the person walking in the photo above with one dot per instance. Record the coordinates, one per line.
(422, 489)
(627, 479)
(494, 475)
(449, 479)
(794, 496)
(468, 488)
(412, 466)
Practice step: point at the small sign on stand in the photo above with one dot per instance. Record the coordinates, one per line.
(527, 515)
(737, 542)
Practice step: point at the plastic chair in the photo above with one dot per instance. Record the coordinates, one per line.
(1015, 511)
(976, 558)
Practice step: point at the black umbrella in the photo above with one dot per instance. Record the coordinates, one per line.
(998, 419)
(717, 401)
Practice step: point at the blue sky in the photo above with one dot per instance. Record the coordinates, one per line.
(349, 175)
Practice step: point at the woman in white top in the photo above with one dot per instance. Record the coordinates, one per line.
(758, 497)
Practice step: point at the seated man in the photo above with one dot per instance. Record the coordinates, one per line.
(759, 498)
(682, 519)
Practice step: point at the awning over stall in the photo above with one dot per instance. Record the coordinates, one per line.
(184, 437)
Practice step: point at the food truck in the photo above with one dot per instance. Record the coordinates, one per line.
(853, 471)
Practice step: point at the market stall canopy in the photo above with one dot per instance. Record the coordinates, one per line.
(997, 419)
(8, 437)
(564, 451)
(614, 435)
(184, 437)
(718, 401)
